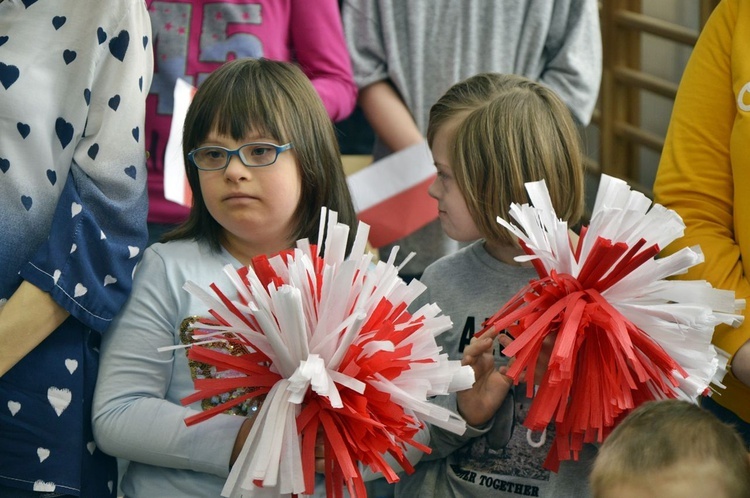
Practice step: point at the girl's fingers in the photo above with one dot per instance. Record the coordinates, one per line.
(320, 455)
(476, 348)
(504, 339)
(491, 333)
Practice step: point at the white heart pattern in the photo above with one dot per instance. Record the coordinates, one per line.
(75, 208)
(59, 399)
(91, 446)
(14, 406)
(73, 248)
(71, 365)
(44, 487)
(42, 453)
(80, 290)
(102, 236)
(56, 276)
(133, 251)
(109, 279)
(110, 485)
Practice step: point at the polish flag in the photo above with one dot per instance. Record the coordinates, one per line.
(176, 187)
(391, 196)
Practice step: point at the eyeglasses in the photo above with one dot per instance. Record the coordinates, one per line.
(252, 155)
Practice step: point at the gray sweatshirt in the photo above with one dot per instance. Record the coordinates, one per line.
(470, 286)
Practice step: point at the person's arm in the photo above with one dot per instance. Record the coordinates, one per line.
(388, 115)
(696, 175)
(486, 404)
(84, 267)
(491, 386)
(381, 104)
(318, 42)
(32, 311)
(132, 416)
(575, 69)
(741, 364)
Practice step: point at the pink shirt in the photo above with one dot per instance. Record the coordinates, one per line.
(194, 37)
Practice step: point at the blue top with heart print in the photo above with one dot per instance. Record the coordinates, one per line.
(74, 75)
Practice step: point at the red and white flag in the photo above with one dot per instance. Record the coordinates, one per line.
(176, 187)
(391, 196)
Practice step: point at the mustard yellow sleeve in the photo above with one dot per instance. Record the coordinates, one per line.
(706, 158)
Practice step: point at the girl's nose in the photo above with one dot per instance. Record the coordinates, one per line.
(236, 171)
(434, 188)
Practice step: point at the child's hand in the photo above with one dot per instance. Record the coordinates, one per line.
(244, 432)
(542, 361)
(320, 453)
(478, 404)
(239, 442)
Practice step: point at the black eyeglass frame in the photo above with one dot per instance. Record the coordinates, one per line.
(236, 152)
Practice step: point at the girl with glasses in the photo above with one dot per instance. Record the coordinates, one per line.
(192, 38)
(261, 159)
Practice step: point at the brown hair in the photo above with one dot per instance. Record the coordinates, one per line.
(514, 131)
(275, 99)
(661, 436)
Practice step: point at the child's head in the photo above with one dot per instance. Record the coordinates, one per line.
(498, 132)
(671, 449)
(249, 98)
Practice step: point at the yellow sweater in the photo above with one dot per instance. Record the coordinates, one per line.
(704, 173)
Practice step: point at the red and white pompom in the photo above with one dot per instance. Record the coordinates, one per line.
(622, 334)
(332, 349)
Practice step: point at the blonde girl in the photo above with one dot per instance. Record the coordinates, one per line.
(489, 135)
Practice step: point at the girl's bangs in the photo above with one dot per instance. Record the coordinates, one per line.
(243, 112)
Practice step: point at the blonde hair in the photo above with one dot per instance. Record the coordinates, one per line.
(672, 438)
(514, 131)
